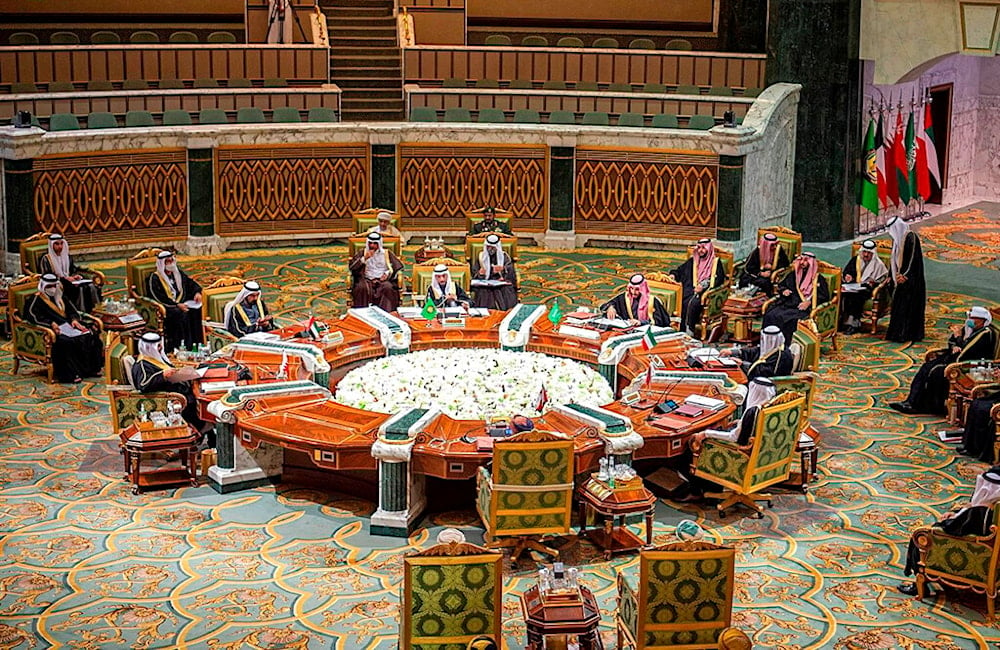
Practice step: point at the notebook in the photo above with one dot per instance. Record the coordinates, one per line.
(688, 410)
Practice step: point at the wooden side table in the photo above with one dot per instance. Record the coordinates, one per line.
(614, 504)
(142, 438)
(554, 617)
(742, 312)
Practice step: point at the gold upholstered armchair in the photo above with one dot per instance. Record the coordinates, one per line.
(30, 342)
(138, 268)
(879, 303)
(964, 377)
(767, 460)
(713, 319)
(472, 217)
(356, 243)
(682, 596)
(452, 593)
(964, 562)
(789, 240)
(125, 400)
(35, 247)
(423, 273)
(215, 297)
(824, 319)
(362, 220)
(529, 492)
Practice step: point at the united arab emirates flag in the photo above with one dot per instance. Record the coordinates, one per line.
(869, 180)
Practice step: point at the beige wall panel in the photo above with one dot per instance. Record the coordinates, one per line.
(439, 27)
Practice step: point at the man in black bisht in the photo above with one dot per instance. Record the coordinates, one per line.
(702, 271)
(765, 260)
(172, 288)
(929, 388)
(769, 359)
(980, 431)
(152, 372)
(799, 293)
(77, 351)
(58, 261)
(248, 313)
(909, 297)
(637, 305)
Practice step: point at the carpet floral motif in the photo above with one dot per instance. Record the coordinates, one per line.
(967, 236)
(86, 564)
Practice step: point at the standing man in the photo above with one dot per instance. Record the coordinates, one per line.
(909, 297)
(374, 271)
(58, 262)
(699, 273)
(172, 288)
(248, 312)
(494, 264)
(77, 351)
(867, 271)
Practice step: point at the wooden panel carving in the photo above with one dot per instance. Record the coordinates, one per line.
(646, 192)
(305, 189)
(438, 183)
(97, 199)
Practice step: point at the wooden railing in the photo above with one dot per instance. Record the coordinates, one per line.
(429, 63)
(43, 105)
(298, 64)
(546, 101)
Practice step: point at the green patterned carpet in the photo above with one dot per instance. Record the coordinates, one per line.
(85, 564)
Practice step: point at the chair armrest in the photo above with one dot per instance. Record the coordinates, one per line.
(484, 492)
(934, 354)
(30, 338)
(984, 390)
(151, 311)
(96, 323)
(880, 288)
(779, 275)
(96, 276)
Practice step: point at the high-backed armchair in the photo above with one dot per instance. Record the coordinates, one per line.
(357, 243)
(474, 245)
(451, 594)
(138, 268)
(789, 240)
(682, 596)
(963, 380)
(125, 400)
(824, 318)
(745, 471)
(362, 220)
(214, 299)
(662, 286)
(30, 342)
(805, 349)
(965, 562)
(423, 274)
(528, 493)
(35, 247)
(475, 216)
(881, 299)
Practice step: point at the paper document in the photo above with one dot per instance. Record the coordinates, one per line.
(852, 287)
(479, 312)
(709, 403)
(261, 336)
(950, 436)
(217, 386)
(130, 318)
(68, 330)
(616, 323)
(488, 283)
(409, 312)
(192, 304)
(83, 281)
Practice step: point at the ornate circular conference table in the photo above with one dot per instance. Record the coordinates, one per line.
(297, 430)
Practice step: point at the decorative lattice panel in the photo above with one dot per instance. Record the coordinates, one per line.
(304, 189)
(97, 199)
(438, 184)
(655, 193)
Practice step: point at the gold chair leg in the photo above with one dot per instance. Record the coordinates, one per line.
(17, 364)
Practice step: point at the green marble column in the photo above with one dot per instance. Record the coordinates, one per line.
(225, 445)
(392, 485)
(816, 43)
(201, 192)
(20, 205)
(383, 176)
(561, 181)
(730, 208)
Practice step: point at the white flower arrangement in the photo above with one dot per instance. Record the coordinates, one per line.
(471, 384)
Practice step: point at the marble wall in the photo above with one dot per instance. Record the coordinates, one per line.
(902, 35)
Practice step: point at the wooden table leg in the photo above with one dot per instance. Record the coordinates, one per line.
(135, 458)
(649, 528)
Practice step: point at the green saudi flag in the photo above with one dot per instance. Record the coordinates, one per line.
(429, 311)
(907, 177)
(869, 181)
(555, 313)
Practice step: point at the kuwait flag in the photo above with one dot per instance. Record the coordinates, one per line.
(648, 339)
(869, 181)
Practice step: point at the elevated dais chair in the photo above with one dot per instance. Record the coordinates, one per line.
(363, 220)
(474, 245)
(766, 461)
(451, 594)
(475, 216)
(423, 273)
(356, 243)
(682, 597)
(215, 297)
(529, 492)
(668, 291)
